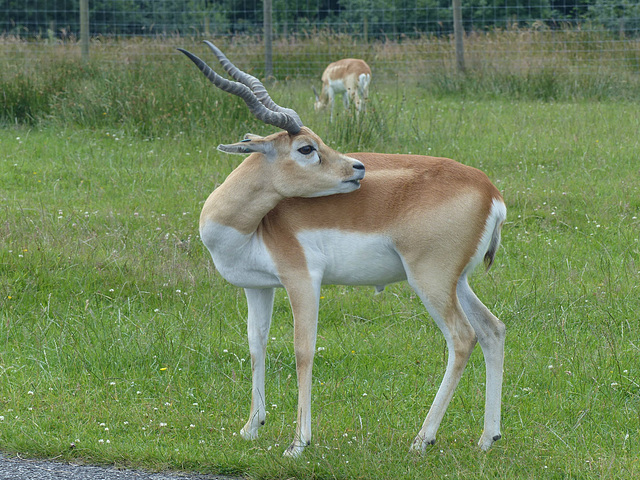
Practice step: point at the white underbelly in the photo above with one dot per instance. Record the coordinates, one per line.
(349, 258)
(337, 86)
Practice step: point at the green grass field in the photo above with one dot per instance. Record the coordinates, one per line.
(120, 344)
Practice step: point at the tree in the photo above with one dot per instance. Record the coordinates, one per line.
(621, 16)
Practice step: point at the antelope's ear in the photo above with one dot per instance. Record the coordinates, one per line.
(252, 144)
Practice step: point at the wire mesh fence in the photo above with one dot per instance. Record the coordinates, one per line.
(412, 36)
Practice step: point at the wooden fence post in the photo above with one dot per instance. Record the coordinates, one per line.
(268, 40)
(84, 29)
(458, 33)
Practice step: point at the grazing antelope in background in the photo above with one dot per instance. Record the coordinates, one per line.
(349, 77)
(297, 214)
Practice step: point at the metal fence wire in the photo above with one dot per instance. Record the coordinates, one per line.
(573, 34)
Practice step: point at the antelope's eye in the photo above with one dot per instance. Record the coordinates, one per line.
(306, 150)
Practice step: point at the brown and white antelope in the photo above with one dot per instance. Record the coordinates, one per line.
(349, 78)
(297, 214)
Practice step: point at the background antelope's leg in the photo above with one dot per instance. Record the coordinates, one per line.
(304, 298)
(331, 100)
(362, 97)
(443, 306)
(491, 336)
(345, 99)
(260, 308)
(357, 98)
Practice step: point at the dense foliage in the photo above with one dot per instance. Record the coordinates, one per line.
(377, 18)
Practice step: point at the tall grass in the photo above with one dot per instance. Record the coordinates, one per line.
(146, 84)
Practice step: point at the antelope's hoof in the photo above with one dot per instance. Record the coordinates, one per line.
(249, 433)
(294, 450)
(420, 444)
(486, 442)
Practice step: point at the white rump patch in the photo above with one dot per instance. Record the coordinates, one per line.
(497, 215)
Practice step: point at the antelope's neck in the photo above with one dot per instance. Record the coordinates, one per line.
(243, 199)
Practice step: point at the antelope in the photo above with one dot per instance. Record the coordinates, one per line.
(348, 77)
(298, 214)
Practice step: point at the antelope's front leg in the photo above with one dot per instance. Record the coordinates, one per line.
(260, 308)
(304, 298)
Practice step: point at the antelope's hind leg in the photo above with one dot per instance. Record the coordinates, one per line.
(491, 337)
(260, 308)
(442, 304)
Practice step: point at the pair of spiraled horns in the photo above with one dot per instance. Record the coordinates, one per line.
(249, 89)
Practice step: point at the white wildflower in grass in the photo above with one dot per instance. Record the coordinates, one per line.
(30, 392)
(162, 424)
